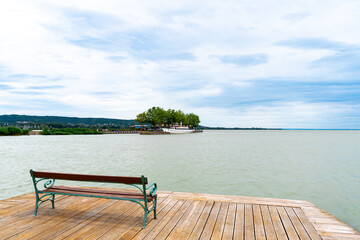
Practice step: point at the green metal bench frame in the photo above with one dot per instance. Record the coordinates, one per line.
(49, 180)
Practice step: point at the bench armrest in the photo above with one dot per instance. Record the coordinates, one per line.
(153, 189)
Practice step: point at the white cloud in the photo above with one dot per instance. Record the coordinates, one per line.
(71, 45)
(298, 115)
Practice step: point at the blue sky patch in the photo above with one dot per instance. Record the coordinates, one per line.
(295, 17)
(318, 43)
(21, 76)
(45, 87)
(5, 87)
(115, 58)
(89, 19)
(344, 62)
(244, 60)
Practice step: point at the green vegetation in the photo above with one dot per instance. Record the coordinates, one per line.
(68, 131)
(192, 119)
(40, 122)
(13, 131)
(153, 116)
(158, 116)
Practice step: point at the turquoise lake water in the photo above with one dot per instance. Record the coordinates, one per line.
(322, 167)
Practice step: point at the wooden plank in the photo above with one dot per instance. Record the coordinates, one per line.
(15, 205)
(165, 231)
(114, 223)
(220, 222)
(297, 224)
(86, 193)
(249, 223)
(192, 221)
(230, 222)
(18, 208)
(340, 237)
(278, 226)
(327, 225)
(196, 233)
(19, 200)
(239, 228)
(129, 228)
(329, 228)
(335, 236)
(89, 178)
(210, 223)
(23, 208)
(268, 225)
(133, 226)
(60, 227)
(162, 219)
(23, 223)
(289, 228)
(185, 219)
(242, 199)
(4, 205)
(41, 226)
(102, 221)
(160, 225)
(258, 223)
(89, 190)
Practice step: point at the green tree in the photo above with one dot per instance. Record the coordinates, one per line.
(141, 118)
(14, 131)
(162, 115)
(46, 131)
(193, 120)
(180, 117)
(25, 132)
(156, 116)
(170, 117)
(3, 131)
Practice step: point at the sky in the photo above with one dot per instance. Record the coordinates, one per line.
(242, 63)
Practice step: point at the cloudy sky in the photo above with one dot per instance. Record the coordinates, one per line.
(244, 63)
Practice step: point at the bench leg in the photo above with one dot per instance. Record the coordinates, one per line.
(36, 207)
(145, 216)
(155, 202)
(53, 201)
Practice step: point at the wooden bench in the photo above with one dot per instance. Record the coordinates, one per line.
(143, 197)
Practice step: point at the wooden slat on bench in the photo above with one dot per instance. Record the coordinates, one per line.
(96, 192)
(89, 178)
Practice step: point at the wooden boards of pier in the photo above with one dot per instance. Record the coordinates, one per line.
(180, 216)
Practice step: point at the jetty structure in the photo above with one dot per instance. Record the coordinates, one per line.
(180, 216)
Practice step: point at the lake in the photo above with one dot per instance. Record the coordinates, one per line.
(322, 167)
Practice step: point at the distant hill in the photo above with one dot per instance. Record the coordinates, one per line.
(56, 121)
(15, 119)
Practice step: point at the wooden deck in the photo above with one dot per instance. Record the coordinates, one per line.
(180, 216)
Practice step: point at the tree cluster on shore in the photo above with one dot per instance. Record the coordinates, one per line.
(68, 131)
(13, 131)
(158, 116)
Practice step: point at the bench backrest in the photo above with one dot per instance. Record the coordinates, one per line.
(89, 178)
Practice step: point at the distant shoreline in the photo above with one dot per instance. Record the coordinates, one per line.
(322, 129)
(236, 128)
(33, 122)
(291, 129)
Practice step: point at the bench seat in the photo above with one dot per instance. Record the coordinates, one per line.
(92, 192)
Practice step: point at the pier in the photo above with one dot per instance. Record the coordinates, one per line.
(180, 216)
